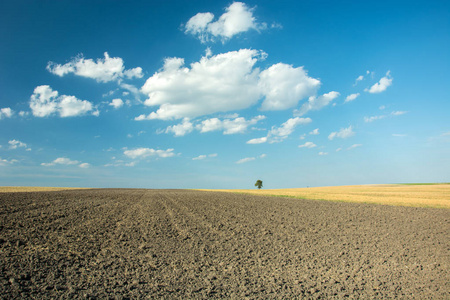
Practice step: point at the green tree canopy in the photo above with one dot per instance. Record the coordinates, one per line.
(259, 184)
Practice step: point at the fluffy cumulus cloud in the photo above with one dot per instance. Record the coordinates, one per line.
(66, 162)
(116, 103)
(147, 152)
(351, 97)
(381, 85)
(232, 125)
(228, 126)
(181, 129)
(14, 144)
(284, 86)
(343, 133)
(6, 112)
(278, 134)
(225, 82)
(46, 102)
(238, 18)
(219, 83)
(102, 70)
(316, 103)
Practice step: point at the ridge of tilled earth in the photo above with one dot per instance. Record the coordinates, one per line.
(178, 244)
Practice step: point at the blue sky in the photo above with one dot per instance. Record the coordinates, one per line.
(218, 94)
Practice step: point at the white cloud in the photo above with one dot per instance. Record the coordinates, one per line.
(84, 165)
(446, 133)
(229, 126)
(373, 118)
(338, 149)
(130, 88)
(358, 79)
(343, 133)
(398, 113)
(354, 146)
(308, 145)
(70, 106)
(244, 160)
(45, 102)
(223, 83)
(14, 144)
(116, 103)
(203, 156)
(278, 134)
(239, 125)
(103, 70)
(200, 157)
(247, 159)
(288, 127)
(146, 152)
(181, 129)
(323, 153)
(61, 161)
(316, 103)
(351, 97)
(110, 93)
(314, 132)
(382, 107)
(133, 73)
(5, 162)
(212, 124)
(198, 25)
(219, 83)
(284, 86)
(381, 85)
(6, 112)
(238, 18)
(258, 140)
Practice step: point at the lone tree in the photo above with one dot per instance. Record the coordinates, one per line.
(259, 184)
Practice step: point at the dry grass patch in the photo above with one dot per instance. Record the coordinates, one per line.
(17, 189)
(417, 195)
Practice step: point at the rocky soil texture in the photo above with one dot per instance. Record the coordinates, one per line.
(181, 244)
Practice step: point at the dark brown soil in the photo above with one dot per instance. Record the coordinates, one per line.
(178, 244)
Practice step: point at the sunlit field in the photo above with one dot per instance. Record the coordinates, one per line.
(17, 189)
(416, 195)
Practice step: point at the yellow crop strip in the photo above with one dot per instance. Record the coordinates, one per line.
(434, 195)
(17, 189)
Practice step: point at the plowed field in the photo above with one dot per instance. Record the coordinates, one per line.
(178, 244)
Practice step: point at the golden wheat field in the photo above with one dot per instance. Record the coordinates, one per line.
(416, 195)
(16, 189)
